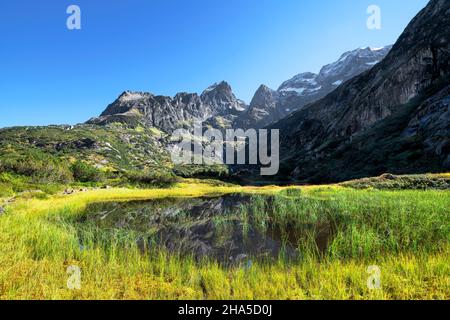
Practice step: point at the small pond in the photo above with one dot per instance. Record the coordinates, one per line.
(210, 227)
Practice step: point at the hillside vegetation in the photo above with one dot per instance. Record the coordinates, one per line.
(118, 155)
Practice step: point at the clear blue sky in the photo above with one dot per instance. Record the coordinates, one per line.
(50, 75)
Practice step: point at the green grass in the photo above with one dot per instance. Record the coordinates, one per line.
(363, 224)
(405, 233)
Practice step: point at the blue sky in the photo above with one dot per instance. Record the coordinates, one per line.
(51, 75)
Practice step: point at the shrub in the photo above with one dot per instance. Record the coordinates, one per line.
(151, 177)
(392, 182)
(199, 171)
(84, 172)
(39, 166)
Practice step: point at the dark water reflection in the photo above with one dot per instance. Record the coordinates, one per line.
(213, 227)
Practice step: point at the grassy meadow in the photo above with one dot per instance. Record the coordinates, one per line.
(405, 233)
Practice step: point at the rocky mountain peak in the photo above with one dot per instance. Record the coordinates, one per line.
(128, 96)
(222, 89)
(299, 81)
(263, 89)
(264, 97)
(125, 102)
(221, 98)
(353, 63)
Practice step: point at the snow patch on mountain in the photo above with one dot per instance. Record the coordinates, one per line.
(296, 90)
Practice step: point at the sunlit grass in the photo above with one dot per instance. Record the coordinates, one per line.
(37, 245)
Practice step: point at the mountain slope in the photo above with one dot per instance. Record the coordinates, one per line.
(112, 147)
(399, 104)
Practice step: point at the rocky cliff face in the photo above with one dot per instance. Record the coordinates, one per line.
(269, 106)
(167, 113)
(431, 123)
(405, 95)
(263, 108)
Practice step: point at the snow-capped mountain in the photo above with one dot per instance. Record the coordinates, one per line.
(301, 84)
(332, 75)
(309, 87)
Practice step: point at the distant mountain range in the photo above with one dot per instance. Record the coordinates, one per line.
(375, 110)
(219, 107)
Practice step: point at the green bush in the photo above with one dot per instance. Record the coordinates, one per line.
(200, 171)
(84, 172)
(39, 166)
(406, 182)
(151, 177)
